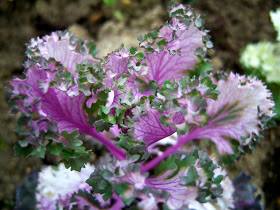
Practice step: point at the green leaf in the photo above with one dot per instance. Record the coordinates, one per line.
(203, 67)
(228, 159)
(217, 191)
(101, 185)
(162, 43)
(189, 160)
(124, 142)
(105, 110)
(75, 143)
(21, 125)
(92, 48)
(140, 56)
(55, 149)
(217, 180)
(203, 196)
(101, 125)
(275, 89)
(153, 34)
(191, 176)
(181, 130)
(165, 207)
(208, 167)
(168, 86)
(133, 50)
(73, 154)
(121, 188)
(164, 120)
(168, 164)
(76, 163)
(133, 147)
(40, 151)
(22, 151)
(73, 139)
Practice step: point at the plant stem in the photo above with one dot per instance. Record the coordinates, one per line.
(171, 150)
(116, 151)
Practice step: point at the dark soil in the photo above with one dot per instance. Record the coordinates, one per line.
(232, 24)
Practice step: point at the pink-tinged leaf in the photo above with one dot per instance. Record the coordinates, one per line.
(59, 48)
(30, 86)
(172, 149)
(39, 126)
(149, 128)
(178, 194)
(178, 118)
(55, 105)
(223, 146)
(178, 56)
(117, 62)
(31, 89)
(67, 112)
(235, 114)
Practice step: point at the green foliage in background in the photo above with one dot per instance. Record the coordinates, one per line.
(110, 2)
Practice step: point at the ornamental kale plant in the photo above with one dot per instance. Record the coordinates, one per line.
(161, 124)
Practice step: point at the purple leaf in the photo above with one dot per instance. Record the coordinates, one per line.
(30, 86)
(117, 62)
(164, 65)
(178, 194)
(235, 114)
(67, 112)
(58, 46)
(149, 128)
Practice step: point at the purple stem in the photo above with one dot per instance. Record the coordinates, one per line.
(118, 203)
(116, 151)
(171, 150)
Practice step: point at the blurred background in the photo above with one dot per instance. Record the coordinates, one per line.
(232, 25)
